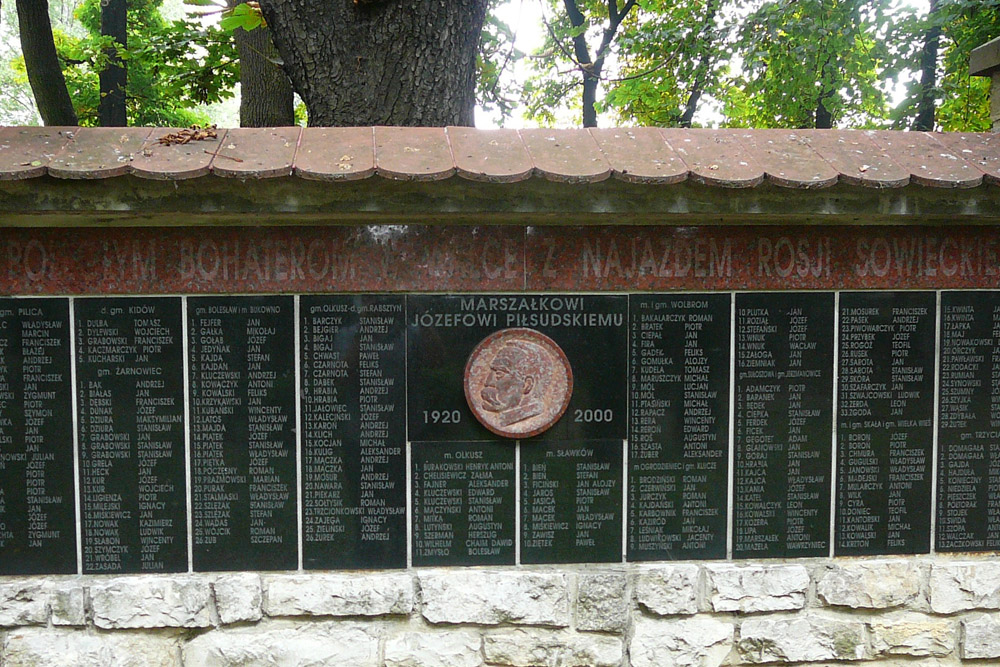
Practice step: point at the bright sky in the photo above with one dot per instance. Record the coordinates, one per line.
(524, 14)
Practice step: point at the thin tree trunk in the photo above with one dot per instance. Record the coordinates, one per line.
(590, 99)
(266, 98)
(111, 109)
(824, 119)
(701, 70)
(42, 63)
(380, 62)
(590, 69)
(925, 120)
(687, 118)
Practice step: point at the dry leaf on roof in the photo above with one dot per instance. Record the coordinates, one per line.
(193, 133)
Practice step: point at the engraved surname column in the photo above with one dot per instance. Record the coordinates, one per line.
(784, 404)
(129, 378)
(884, 434)
(571, 501)
(968, 501)
(353, 413)
(242, 432)
(37, 515)
(463, 494)
(326, 424)
(679, 423)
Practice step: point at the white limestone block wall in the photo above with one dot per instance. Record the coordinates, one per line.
(904, 612)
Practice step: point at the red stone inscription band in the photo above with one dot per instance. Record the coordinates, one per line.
(518, 382)
(215, 260)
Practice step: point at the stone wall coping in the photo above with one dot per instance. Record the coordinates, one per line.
(727, 158)
(51, 176)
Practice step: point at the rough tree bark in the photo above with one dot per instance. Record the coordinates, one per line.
(266, 98)
(924, 122)
(380, 62)
(42, 63)
(111, 109)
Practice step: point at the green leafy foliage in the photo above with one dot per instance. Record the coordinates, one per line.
(811, 63)
(241, 16)
(963, 101)
(673, 55)
(173, 66)
(581, 38)
(753, 63)
(768, 63)
(495, 90)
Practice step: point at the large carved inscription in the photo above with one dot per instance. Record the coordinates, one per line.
(228, 260)
(500, 257)
(130, 395)
(759, 258)
(678, 426)
(885, 422)
(784, 425)
(243, 469)
(37, 517)
(353, 402)
(968, 498)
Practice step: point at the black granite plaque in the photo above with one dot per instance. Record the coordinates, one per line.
(463, 503)
(885, 405)
(678, 426)
(243, 469)
(353, 402)
(130, 399)
(968, 498)
(784, 424)
(571, 501)
(443, 330)
(37, 513)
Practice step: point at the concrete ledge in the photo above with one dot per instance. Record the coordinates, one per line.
(985, 60)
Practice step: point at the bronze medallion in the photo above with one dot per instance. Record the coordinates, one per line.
(518, 382)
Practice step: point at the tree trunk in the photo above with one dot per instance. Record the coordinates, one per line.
(42, 63)
(924, 121)
(380, 62)
(590, 99)
(589, 79)
(111, 110)
(266, 98)
(590, 70)
(824, 119)
(704, 64)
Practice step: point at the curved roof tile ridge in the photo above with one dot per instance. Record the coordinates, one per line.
(728, 158)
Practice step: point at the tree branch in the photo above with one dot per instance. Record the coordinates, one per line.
(559, 45)
(626, 9)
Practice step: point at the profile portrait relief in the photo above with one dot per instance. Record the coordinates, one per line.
(518, 382)
(517, 376)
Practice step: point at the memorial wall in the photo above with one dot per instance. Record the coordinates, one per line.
(282, 430)
(399, 397)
